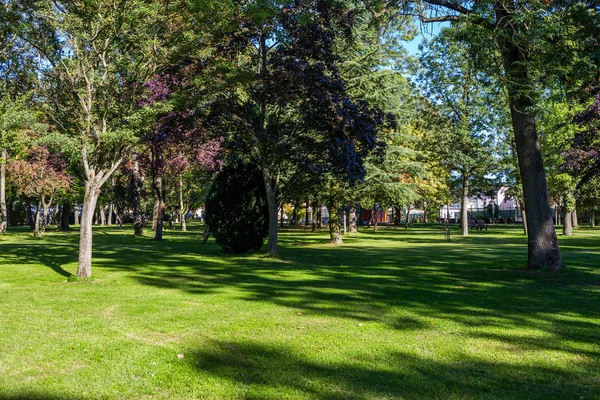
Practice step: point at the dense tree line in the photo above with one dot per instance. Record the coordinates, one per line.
(129, 111)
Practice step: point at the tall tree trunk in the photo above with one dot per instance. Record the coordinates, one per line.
(76, 214)
(593, 218)
(111, 211)
(543, 250)
(320, 216)
(335, 234)
(397, 215)
(182, 209)
(36, 225)
(64, 217)
(272, 206)
(574, 217)
(464, 204)
(155, 211)
(306, 216)
(295, 213)
(3, 208)
(157, 184)
(407, 216)
(136, 184)
(353, 228)
(523, 217)
(90, 198)
(102, 215)
(568, 224)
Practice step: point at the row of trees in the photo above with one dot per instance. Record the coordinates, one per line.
(154, 98)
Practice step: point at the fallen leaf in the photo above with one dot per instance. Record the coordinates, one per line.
(180, 356)
(299, 314)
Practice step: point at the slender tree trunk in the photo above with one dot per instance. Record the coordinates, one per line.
(306, 216)
(272, 206)
(90, 198)
(36, 225)
(320, 216)
(3, 208)
(155, 211)
(558, 214)
(76, 213)
(543, 250)
(111, 211)
(102, 215)
(160, 210)
(574, 217)
(464, 215)
(524, 218)
(407, 217)
(136, 184)
(295, 213)
(30, 217)
(593, 218)
(182, 208)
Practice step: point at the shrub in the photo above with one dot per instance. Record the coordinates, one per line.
(236, 208)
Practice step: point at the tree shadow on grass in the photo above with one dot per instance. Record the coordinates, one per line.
(267, 370)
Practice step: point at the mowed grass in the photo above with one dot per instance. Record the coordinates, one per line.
(389, 315)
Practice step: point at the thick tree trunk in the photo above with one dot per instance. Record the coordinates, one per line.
(568, 224)
(272, 206)
(335, 233)
(182, 208)
(574, 218)
(136, 184)
(464, 214)
(543, 250)
(3, 208)
(353, 227)
(160, 210)
(92, 190)
(64, 218)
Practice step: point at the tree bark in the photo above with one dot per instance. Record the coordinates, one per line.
(593, 218)
(64, 217)
(320, 216)
(523, 217)
(157, 184)
(3, 208)
(353, 227)
(568, 224)
(36, 225)
(407, 217)
(76, 213)
(464, 214)
(397, 215)
(182, 209)
(574, 218)
(109, 216)
(543, 250)
(272, 206)
(136, 183)
(335, 233)
(90, 198)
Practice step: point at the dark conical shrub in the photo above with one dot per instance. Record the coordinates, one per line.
(236, 208)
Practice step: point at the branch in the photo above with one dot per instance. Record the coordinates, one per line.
(476, 19)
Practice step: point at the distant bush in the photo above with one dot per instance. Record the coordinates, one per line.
(236, 208)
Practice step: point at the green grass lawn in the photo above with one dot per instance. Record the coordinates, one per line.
(389, 315)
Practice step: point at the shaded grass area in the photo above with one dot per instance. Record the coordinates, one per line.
(392, 314)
